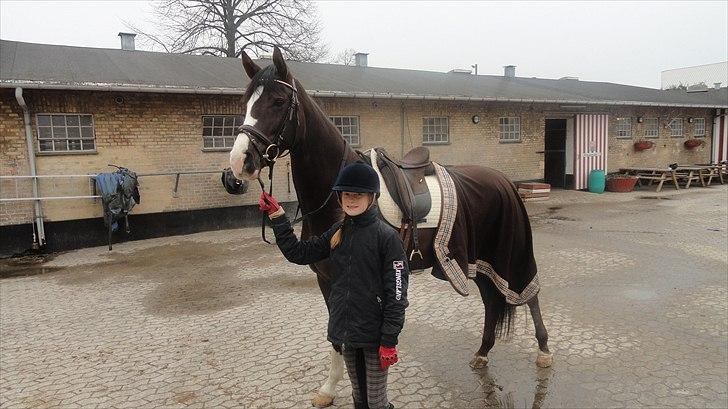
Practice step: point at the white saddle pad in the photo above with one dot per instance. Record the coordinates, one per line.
(391, 211)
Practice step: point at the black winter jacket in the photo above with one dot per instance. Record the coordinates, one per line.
(369, 284)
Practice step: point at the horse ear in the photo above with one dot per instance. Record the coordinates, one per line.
(280, 64)
(251, 68)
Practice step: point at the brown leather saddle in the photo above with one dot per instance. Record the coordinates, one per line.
(405, 181)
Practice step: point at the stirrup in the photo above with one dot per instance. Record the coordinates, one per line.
(416, 252)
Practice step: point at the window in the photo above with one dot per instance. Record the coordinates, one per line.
(624, 127)
(435, 130)
(509, 129)
(219, 131)
(349, 128)
(676, 127)
(699, 127)
(65, 133)
(652, 127)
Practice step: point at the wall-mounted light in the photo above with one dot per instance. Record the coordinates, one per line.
(476, 119)
(639, 119)
(690, 120)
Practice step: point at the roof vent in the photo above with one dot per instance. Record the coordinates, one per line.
(360, 59)
(127, 41)
(509, 71)
(569, 78)
(716, 85)
(459, 71)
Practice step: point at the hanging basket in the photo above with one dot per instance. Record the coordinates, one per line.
(693, 143)
(643, 145)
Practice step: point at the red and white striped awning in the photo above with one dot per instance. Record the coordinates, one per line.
(590, 149)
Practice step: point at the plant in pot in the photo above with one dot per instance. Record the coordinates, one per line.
(617, 182)
(693, 143)
(642, 145)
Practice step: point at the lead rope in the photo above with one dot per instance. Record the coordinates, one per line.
(270, 192)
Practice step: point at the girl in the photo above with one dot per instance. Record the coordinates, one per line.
(369, 287)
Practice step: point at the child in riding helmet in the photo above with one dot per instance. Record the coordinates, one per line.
(369, 285)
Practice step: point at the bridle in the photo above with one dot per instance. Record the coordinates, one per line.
(270, 150)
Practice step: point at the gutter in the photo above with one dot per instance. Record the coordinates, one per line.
(39, 240)
(336, 94)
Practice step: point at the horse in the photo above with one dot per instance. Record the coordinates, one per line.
(281, 118)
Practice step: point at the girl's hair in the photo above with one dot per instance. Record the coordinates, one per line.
(336, 238)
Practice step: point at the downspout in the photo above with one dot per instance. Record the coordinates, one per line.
(38, 241)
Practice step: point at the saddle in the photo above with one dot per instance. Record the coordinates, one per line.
(405, 181)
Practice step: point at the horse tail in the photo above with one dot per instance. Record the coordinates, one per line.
(497, 307)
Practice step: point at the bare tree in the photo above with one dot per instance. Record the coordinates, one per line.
(227, 27)
(345, 57)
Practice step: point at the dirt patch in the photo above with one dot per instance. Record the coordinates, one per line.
(184, 397)
(654, 197)
(26, 265)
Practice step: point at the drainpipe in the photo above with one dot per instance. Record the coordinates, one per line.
(40, 240)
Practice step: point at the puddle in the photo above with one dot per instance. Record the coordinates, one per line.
(654, 197)
(26, 265)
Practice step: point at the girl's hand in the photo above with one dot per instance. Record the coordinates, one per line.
(268, 204)
(387, 356)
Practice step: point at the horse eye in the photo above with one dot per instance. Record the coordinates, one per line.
(279, 102)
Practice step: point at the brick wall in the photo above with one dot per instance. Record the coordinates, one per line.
(152, 133)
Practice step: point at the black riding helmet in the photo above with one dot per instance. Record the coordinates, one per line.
(357, 177)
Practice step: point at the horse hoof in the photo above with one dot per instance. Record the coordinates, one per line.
(478, 362)
(544, 359)
(322, 400)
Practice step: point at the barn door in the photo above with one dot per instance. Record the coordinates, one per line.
(590, 150)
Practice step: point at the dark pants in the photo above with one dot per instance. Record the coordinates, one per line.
(368, 380)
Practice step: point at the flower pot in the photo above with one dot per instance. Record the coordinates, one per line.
(643, 145)
(621, 183)
(693, 143)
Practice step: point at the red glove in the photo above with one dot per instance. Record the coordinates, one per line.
(268, 204)
(387, 356)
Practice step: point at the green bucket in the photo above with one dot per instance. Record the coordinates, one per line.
(596, 181)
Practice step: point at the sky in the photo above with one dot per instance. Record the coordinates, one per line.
(621, 42)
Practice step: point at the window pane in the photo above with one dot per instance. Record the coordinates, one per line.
(60, 145)
(44, 120)
(218, 121)
(217, 131)
(74, 132)
(206, 131)
(229, 120)
(72, 120)
(44, 132)
(206, 121)
(229, 142)
(74, 144)
(88, 144)
(86, 120)
(207, 142)
(59, 132)
(59, 120)
(87, 132)
(46, 145)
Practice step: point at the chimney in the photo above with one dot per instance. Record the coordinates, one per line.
(127, 41)
(360, 59)
(716, 85)
(509, 71)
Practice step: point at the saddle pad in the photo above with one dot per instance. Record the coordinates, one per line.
(390, 210)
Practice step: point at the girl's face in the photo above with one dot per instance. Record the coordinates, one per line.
(355, 204)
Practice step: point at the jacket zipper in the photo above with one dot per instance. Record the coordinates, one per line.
(348, 283)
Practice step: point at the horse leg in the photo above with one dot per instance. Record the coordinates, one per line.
(545, 357)
(327, 393)
(480, 360)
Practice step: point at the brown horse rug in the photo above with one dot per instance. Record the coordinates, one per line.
(484, 229)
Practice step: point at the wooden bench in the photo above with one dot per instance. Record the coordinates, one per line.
(653, 175)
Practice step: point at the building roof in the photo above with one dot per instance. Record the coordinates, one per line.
(43, 66)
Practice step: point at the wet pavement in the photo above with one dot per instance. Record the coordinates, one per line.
(634, 297)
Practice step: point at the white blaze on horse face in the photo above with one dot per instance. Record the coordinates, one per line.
(242, 142)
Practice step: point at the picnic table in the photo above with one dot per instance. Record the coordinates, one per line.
(686, 174)
(714, 170)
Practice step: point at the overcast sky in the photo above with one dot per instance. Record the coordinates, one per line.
(622, 42)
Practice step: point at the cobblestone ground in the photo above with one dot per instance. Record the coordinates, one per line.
(634, 297)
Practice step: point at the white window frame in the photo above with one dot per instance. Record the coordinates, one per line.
(435, 130)
(698, 127)
(58, 134)
(623, 129)
(675, 129)
(649, 130)
(224, 125)
(509, 129)
(348, 126)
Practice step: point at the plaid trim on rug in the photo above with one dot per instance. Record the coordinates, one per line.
(483, 267)
(450, 267)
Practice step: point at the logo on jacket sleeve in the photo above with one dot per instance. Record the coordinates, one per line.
(398, 267)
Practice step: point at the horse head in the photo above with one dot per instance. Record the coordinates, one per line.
(271, 117)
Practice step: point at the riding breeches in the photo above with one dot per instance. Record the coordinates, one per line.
(368, 380)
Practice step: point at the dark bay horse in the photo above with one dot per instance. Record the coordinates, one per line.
(280, 116)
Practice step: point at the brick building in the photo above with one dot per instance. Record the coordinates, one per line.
(159, 114)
